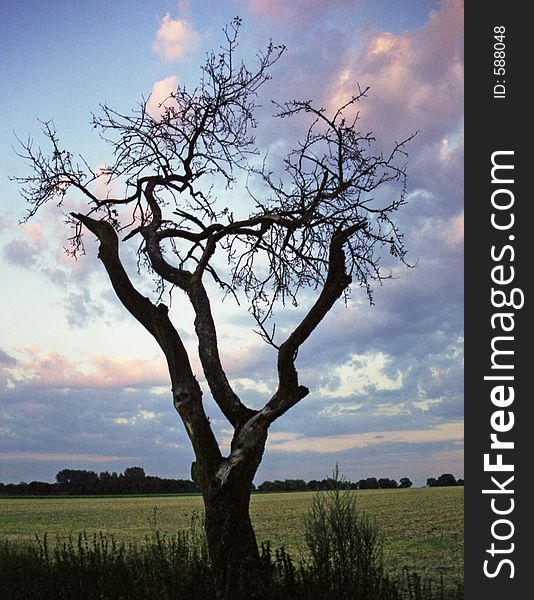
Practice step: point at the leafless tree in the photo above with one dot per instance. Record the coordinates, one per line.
(318, 224)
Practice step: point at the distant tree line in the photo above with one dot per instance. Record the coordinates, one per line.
(81, 482)
(135, 481)
(299, 485)
(443, 481)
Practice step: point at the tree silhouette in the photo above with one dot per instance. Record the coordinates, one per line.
(316, 224)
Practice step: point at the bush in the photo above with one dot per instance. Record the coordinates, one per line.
(344, 546)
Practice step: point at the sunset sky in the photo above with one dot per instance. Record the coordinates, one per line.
(82, 385)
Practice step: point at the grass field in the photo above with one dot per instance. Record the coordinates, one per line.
(422, 527)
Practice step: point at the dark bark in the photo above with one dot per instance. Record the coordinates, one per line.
(231, 539)
(232, 543)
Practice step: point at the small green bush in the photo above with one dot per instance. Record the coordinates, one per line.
(344, 546)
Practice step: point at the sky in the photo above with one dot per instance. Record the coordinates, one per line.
(83, 386)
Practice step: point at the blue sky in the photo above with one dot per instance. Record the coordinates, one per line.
(83, 386)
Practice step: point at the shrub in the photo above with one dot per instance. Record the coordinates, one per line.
(344, 546)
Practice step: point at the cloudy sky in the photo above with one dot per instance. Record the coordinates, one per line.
(82, 385)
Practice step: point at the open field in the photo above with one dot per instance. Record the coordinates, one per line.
(422, 527)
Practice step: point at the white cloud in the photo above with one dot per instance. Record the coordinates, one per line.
(360, 372)
(160, 97)
(174, 39)
(102, 183)
(141, 415)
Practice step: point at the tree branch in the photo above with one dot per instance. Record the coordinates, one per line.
(227, 400)
(289, 391)
(154, 318)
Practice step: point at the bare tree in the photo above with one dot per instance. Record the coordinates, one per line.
(318, 224)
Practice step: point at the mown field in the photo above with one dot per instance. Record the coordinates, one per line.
(422, 527)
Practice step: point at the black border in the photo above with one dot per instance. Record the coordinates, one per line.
(494, 124)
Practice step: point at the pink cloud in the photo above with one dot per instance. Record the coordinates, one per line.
(40, 244)
(174, 39)
(133, 372)
(35, 232)
(102, 184)
(38, 369)
(54, 370)
(160, 98)
(297, 11)
(416, 78)
(453, 231)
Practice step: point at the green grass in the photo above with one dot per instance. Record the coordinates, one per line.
(422, 527)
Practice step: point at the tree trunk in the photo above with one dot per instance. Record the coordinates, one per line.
(232, 545)
(231, 539)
